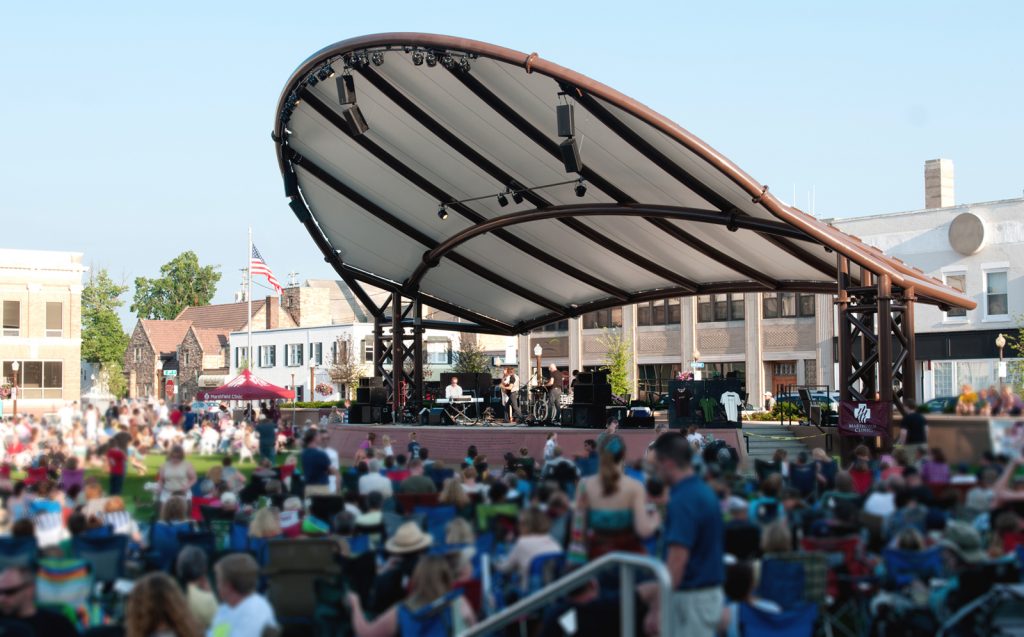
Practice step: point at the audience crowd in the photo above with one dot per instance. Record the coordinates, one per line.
(383, 539)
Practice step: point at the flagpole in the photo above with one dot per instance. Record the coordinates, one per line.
(248, 297)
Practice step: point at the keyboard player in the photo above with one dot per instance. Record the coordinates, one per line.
(453, 390)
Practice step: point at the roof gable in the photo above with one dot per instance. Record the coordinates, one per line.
(165, 336)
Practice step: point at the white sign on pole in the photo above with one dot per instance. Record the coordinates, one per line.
(1002, 369)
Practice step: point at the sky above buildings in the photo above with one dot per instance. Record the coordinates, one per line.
(134, 131)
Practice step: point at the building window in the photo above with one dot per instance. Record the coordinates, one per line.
(724, 370)
(787, 305)
(37, 379)
(996, 297)
(557, 326)
(12, 318)
(241, 357)
(268, 355)
(334, 353)
(316, 353)
(719, 307)
(943, 378)
(958, 282)
(652, 380)
(54, 319)
(608, 317)
(293, 354)
(185, 358)
(664, 312)
(439, 352)
(138, 353)
(367, 350)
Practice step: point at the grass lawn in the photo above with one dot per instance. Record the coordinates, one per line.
(135, 496)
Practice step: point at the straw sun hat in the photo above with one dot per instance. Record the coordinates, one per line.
(408, 539)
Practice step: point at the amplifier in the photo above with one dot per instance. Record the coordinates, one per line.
(587, 416)
(602, 394)
(378, 397)
(584, 378)
(583, 393)
(363, 394)
(360, 414)
(435, 416)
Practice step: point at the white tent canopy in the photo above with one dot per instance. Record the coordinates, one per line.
(464, 126)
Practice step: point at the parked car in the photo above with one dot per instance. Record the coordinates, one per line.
(940, 405)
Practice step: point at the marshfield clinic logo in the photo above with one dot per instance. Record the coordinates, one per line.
(862, 413)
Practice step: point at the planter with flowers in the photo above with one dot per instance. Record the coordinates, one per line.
(324, 389)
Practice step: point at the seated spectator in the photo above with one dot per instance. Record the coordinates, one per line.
(344, 524)
(425, 457)
(899, 463)
(860, 470)
(498, 493)
(372, 481)
(882, 499)
(526, 463)
(453, 494)
(230, 475)
(19, 501)
(980, 497)
(18, 610)
(121, 520)
(192, 569)
(405, 549)
(533, 541)
(400, 470)
(417, 482)
(766, 507)
(909, 514)
(373, 517)
(431, 580)
(742, 537)
(469, 482)
(825, 468)
(740, 584)
(243, 612)
(265, 524)
(175, 511)
(934, 469)
(459, 533)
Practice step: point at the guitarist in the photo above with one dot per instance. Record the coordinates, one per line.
(510, 388)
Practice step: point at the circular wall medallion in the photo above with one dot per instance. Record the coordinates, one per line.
(967, 234)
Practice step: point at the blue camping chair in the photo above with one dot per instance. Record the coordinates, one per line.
(798, 622)
(773, 572)
(205, 540)
(18, 551)
(436, 518)
(105, 555)
(238, 539)
(903, 567)
(803, 478)
(544, 569)
(359, 544)
(432, 620)
(164, 543)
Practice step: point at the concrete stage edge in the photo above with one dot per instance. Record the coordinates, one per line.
(449, 443)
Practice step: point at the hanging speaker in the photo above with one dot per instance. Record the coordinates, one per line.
(346, 89)
(570, 156)
(357, 123)
(566, 125)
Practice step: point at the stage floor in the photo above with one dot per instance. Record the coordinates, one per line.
(450, 443)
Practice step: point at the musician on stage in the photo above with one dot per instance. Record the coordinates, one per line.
(554, 387)
(510, 390)
(454, 390)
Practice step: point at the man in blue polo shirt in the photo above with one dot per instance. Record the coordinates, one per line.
(693, 540)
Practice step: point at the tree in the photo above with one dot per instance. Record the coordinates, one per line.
(470, 358)
(346, 370)
(112, 377)
(103, 339)
(1015, 345)
(182, 283)
(618, 360)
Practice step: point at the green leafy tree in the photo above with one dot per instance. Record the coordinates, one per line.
(182, 283)
(1015, 352)
(618, 360)
(346, 370)
(103, 339)
(470, 357)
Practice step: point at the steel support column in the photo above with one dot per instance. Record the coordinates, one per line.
(397, 360)
(417, 346)
(845, 341)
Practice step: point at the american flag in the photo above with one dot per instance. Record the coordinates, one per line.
(259, 267)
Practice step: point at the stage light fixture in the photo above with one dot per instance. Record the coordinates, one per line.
(464, 65)
(362, 59)
(346, 89)
(570, 156)
(312, 81)
(324, 73)
(431, 60)
(517, 196)
(377, 57)
(502, 200)
(447, 61)
(417, 57)
(581, 188)
(442, 213)
(355, 120)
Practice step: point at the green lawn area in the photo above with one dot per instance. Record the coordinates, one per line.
(135, 496)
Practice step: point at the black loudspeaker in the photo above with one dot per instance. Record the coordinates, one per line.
(583, 393)
(435, 416)
(600, 376)
(376, 381)
(360, 414)
(603, 394)
(484, 383)
(377, 396)
(587, 416)
(362, 394)
(346, 89)
(571, 155)
(355, 120)
(584, 378)
(365, 381)
(566, 126)
(618, 412)
(567, 416)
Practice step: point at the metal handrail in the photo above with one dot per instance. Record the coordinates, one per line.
(627, 563)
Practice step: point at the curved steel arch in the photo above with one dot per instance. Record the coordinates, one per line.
(432, 257)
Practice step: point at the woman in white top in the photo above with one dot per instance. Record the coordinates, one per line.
(534, 541)
(176, 476)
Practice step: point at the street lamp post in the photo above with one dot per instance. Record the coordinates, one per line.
(1000, 344)
(312, 370)
(295, 398)
(537, 351)
(15, 366)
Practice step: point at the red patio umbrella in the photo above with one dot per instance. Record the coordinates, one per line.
(247, 387)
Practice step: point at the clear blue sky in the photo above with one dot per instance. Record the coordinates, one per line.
(134, 130)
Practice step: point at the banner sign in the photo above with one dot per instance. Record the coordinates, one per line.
(869, 418)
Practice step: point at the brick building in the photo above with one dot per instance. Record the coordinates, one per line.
(41, 310)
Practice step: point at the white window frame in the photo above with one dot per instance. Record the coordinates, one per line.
(946, 273)
(986, 270)
(267, 355)
(293, 354)
(316, 353)
(445, 357)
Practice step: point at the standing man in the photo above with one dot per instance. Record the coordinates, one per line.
(694, 549)
(316, 466)
(510, 387)
(554, 387)
(266, 430)
(332, 455)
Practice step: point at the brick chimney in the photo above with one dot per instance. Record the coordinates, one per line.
(938, 183)
(271, 309)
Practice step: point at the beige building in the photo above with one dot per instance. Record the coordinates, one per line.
(41, 294)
